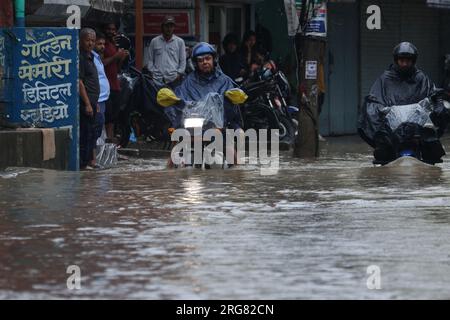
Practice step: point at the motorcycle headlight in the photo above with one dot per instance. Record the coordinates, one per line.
(194, 123)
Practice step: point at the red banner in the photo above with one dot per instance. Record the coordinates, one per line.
(6, 13)
(153, 20)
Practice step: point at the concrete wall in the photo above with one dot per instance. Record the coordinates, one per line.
(24, 149)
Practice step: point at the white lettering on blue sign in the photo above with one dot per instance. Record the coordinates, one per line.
(45, 69)
(42, 92)
(52, 45)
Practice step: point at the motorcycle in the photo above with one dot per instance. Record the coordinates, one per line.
(415, 129)
(196, 118)
(140, 112)
(267, 106)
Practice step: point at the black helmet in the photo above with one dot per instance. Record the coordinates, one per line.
(406, 50)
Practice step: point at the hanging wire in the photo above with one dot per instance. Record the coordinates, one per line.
(306, 15)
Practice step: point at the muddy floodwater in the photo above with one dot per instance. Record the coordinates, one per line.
(141, 231)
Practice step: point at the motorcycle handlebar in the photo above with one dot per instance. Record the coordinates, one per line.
(135, 70)
(140, 73)
(440, 94)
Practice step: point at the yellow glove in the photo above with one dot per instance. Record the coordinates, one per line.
(167, 97)
(236, 96)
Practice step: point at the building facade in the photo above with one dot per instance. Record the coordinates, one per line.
(356, 55)
(6, 13)
(197, 20)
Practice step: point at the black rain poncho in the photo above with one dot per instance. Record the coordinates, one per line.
(391, 89)
(395, 88)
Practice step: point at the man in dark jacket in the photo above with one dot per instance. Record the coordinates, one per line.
(89, 93)
(401, 84)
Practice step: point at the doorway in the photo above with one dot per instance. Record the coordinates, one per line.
(223, 19)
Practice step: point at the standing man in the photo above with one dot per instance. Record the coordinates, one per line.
(113, 59)
(167, 55)
(98, 53)
(89, 93)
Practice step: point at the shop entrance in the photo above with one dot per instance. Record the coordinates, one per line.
(223, 19)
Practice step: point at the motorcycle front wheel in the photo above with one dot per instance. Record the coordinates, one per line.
(287, 129)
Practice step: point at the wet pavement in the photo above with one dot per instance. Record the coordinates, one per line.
(310, 232)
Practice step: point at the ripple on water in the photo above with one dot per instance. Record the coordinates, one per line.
(310, 231)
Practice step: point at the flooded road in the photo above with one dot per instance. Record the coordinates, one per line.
(310, 232)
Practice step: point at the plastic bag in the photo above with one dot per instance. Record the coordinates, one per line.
(101, 140)
(211, 109)
(106, 153)
(418, 113)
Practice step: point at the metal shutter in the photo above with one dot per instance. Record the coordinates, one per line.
(377, 45)
(420, 25)
(402, 20)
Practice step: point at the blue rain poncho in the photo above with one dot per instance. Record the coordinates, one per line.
(196, 87)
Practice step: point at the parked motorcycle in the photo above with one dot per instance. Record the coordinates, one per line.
(267, 106)
(140, 113)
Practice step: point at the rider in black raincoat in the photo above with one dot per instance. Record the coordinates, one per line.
(401, 84)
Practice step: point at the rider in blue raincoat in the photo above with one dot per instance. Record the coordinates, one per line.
(206, 78)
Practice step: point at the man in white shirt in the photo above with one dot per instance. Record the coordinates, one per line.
(104, 88)
(167, 55)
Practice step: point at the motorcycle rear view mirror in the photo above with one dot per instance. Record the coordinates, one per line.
(133, 69)
(439, 94)
(122, 41)
(266, 73)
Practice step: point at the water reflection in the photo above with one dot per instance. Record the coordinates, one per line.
(402, 177)
(192, 190)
